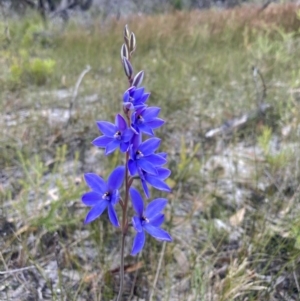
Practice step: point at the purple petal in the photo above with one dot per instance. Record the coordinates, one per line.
(146, 129)
(96, 211)
(150, 113)
(139, 106)
(131, 151)
(102, 141)
(132, 167)
(138, 93)
(131, 90)
(164, 155)
(136, 141)
(136, 222)
(138, 243)
(133, 117)
(135, 129)
(139, 111)
(156, 160)
(124, 147)
(95, 182)
(149, 146)
(145, 188)
(156, 123)
(137, 201)
(155, 207)
(116, 178)
(157, 233)
(91, 198)
(107, 128)
(112, 146)
(115, 197)
(157, 183)
(113, 216)
(157, 220)
(163, 173)
(146, 166)
(120, 122)
(126, 96)
(127, 135)
(145, 97)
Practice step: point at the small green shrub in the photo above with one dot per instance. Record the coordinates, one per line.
(34, 71)
(29, 36)
(39, 70)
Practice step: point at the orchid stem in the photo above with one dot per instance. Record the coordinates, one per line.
(128, 182)
(124, 227)
(122, 268)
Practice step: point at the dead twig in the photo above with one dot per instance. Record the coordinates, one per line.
(134, 279)
(75, 92)
(158, 270)
(17, 270)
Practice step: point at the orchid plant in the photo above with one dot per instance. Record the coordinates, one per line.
(141, 162)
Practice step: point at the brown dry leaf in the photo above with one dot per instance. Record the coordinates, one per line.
(182, 261)
(236, 219)
(90, 277)
(133, 267)
(129, 268)
(24, 229)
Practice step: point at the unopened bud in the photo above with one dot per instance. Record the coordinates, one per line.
(138, 79)
(132, 43)
(126, 35)
(127, 67)
(124, 51)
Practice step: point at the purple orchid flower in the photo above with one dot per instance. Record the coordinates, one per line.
(148, 220)
(114, 135)
(142, 157)
(103, 195)
(135, 98)
(145, 120)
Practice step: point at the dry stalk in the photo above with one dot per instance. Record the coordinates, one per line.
(17, 270)
(158, 270)
(75, 92)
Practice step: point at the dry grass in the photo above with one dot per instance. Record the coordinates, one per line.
(215, 21)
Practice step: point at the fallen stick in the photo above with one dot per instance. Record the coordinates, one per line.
(237, 123)
(17, 270)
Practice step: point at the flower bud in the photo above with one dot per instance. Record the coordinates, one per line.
(138, 79)
(132, 43)
(124, 52)
(126, 35)
(127, 67)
